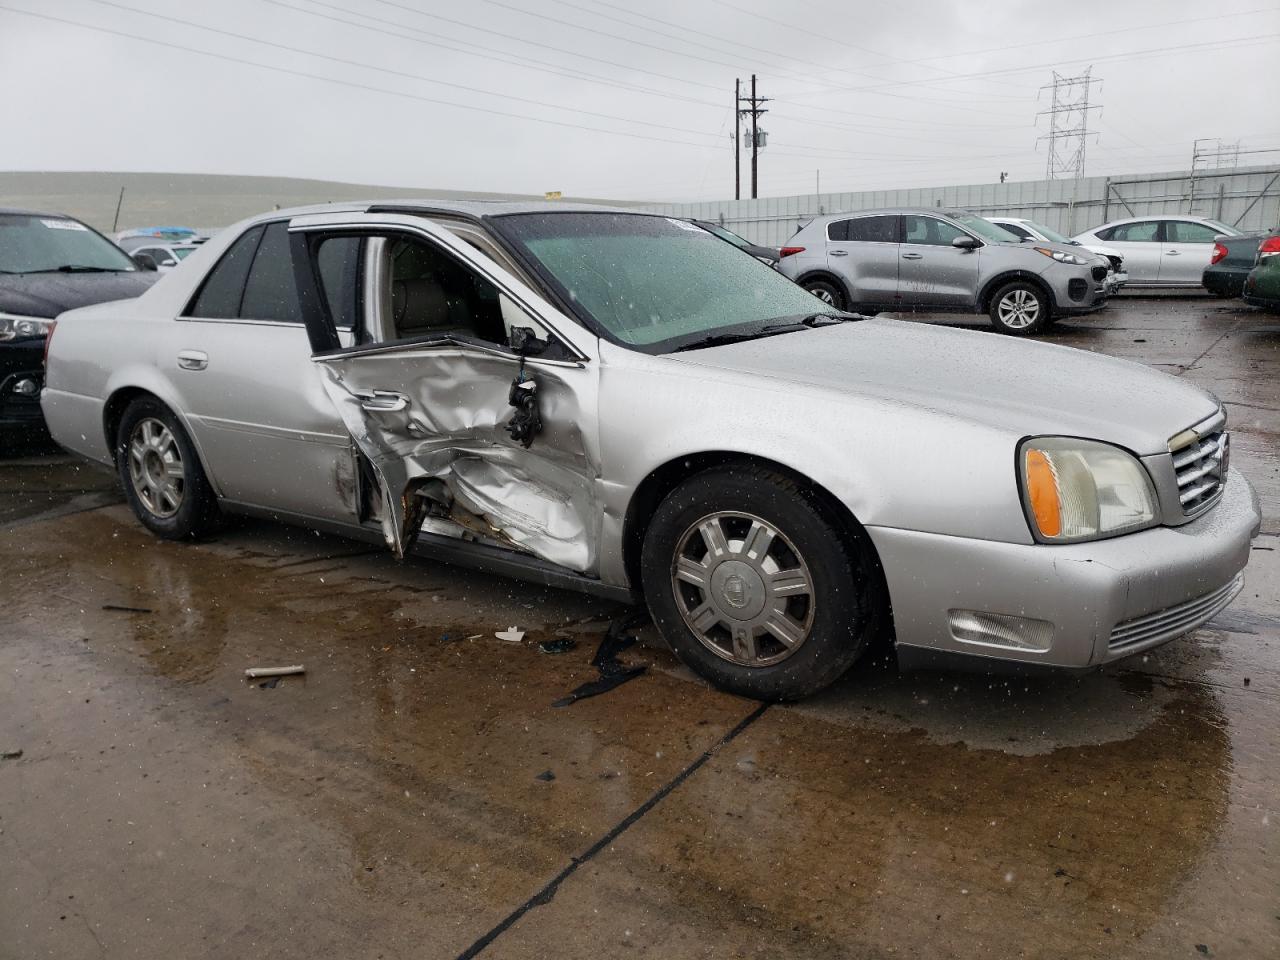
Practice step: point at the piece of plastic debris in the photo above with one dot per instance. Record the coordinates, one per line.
(116, 606)
(255, 673)
(546, 776)
(10, 754)
(558, 645)
(511, 635)
(613, 673)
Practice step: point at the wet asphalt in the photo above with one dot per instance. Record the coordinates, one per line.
(416, 794)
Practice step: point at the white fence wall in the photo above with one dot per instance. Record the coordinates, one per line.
(1248, 198)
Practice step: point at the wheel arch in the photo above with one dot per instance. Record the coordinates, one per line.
(118, 401)
(662, 480)
(995, 283)
(821, 274)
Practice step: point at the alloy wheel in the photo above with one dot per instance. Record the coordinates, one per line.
(743, 589)
(155, 467)
(1019, 308)
(824, 295)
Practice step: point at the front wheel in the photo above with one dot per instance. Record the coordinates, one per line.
(754, 588)
(827, 292)
(1020, 308)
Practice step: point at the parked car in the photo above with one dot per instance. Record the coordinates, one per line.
(1230, 263)
(165, 256)
(767, 254)
(948, 260)
(1028, 231)
(1165, 251)
(1262, 286)
(49, 263)
(607, 400)
(131, 240)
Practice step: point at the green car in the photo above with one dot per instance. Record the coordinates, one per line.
(1262, 286)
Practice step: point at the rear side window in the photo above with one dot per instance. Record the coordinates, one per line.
(271, 292)
(1180, 231)
(838, 230)
(873, 229)
(219, 296)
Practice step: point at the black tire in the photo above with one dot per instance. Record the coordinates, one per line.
(846, 586)
(196, 510)
(826, 291)
(1030, 297)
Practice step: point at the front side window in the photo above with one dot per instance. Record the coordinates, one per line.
(930, 231)
(30, 243)
(651, 281)
(1144, 231)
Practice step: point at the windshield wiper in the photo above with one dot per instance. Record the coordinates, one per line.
(720, 339)
(76, 268)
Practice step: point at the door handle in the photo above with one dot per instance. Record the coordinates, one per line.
(193, 359)
(913, 256)
(838, 253)
(383, 401)
(1171, 253)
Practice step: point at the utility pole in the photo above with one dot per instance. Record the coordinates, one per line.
(1068, 115)
(737, 124)
(759, 137)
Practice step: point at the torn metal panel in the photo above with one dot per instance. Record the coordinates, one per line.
(440, 412)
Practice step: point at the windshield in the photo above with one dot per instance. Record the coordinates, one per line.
(984, 228)
(34, 244)
(1053, 236)
(652, 281)
(183, 252)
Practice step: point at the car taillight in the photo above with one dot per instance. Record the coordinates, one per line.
(1219, 253)
(1270, 247)
(788, 251)
(48, 339)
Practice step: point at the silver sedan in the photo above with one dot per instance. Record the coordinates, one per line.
(621, 403)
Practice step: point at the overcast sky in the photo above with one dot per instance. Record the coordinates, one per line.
(628, 100)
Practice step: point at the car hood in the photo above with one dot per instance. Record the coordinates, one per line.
(49, 294)
(1023, 387)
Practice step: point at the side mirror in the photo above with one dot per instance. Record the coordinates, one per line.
(526, 343)
(145, 261)
(168, 263)
(966, 243)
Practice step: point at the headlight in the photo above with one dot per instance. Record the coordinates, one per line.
(1083, 490)
(13, 326)
(1061, 257)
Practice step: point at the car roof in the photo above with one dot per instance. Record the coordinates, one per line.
(926, 211)
(472, 209)
(34, 213)
(1154, 216)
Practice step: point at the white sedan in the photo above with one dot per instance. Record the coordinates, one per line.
(1162, 251)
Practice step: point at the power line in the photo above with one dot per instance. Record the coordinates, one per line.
(349, 83)
(396, 73)
(484, 53)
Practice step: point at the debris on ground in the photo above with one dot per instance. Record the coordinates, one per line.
(558, 645)
(11, 754)
(257, 673)
(613, 672)
(122, 609)
(546, 776)
(511, 635)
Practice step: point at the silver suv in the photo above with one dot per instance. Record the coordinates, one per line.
(929, 259)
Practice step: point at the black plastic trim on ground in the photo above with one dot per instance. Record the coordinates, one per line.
(546, 894)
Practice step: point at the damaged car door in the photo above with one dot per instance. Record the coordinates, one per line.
(471, 399)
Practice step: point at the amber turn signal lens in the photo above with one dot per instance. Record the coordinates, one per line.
(1042, 489)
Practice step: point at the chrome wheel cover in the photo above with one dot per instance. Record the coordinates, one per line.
(743, 589)
(824, 295)
(155, 468)
(1019, 308)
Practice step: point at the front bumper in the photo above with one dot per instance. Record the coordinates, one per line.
(21, 377)
(1101, 601)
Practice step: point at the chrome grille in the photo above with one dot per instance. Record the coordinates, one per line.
(1200, 458)
(1173, 621)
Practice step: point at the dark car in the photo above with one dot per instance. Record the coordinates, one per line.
(1230, 263)
(769, 255)
(1262, 285)
(49, 263)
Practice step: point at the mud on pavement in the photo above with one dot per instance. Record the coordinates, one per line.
(393, 800)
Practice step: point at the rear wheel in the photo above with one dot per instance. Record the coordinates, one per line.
(827, 292)
(754, 588)
(161, 474)
(1020, 308)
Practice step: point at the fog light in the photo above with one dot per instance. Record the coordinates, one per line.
(26, 387)
(1001, 630)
